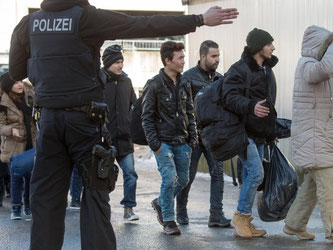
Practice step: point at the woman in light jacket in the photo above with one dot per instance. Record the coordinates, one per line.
(18, 133)
(312, 133)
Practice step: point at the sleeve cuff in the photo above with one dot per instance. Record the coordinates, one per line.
(252, 104)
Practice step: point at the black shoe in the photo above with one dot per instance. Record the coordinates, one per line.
(218, 221)
(158, 210)
(182, 220)
(170, 228)
(27, 210)
(182, 217)
(16, 213)
(75, 204)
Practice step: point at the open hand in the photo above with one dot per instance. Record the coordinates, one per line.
(15, 132)
(216, 16)
(260, 110)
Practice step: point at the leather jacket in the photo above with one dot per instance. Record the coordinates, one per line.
(167, 112)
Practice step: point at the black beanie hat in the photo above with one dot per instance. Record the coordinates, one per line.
(6, 82)
(111, 55)
(257, 39)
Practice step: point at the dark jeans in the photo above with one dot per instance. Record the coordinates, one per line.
(76, 184)
(216, 183)
(65, 137)
(3, 173)
(19, 184)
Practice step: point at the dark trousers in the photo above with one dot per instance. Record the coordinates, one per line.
(216, 183)
(19, 185)
(76, 184)
(64, 138)
(3, 173)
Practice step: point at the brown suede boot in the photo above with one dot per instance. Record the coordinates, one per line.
(242, 225)
(255, 232)
(300, 235)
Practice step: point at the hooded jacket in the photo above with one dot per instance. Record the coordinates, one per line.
(262, 85)
(12, 117)
(95, 26)
(312, 122)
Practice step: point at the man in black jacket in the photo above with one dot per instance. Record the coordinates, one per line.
(249, 90)
(119, 96)
(199, 77)
(58, 48)
(169, 126)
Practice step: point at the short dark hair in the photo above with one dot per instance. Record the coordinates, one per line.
(205, 45)
(168, 48)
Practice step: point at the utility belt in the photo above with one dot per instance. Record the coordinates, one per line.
(97, 170)
(97, 112)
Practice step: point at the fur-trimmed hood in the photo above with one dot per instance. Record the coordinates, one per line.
(252, 63)
(316, 41)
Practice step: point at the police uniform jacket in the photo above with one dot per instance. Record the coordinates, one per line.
(119, 96)
(66, 74)
(167, 112)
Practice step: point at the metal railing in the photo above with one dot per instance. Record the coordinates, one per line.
(148, 45)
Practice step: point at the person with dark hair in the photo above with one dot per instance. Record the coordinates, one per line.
(120, 95)
(19, 134)
(169, 126)
(199, 77)
(249, 90)
(58, 48)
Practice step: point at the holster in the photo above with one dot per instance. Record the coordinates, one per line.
(90, 171)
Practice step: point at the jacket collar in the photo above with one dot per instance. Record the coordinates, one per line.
(105, 76)
(210, 75)
(59, 5)
(252, 63)
(167, 79)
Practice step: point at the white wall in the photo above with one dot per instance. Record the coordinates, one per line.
(285, 20)
(11, 11)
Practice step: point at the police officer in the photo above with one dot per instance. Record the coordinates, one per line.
(58, 48)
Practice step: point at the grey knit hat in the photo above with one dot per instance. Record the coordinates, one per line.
(257, 39)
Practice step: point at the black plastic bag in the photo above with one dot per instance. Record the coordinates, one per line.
(280, 188)
(282, 128)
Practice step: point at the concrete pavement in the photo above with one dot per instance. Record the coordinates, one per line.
(147, 232)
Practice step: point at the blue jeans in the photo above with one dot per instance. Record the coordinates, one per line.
(76, 184)
(126, 163)
(253, 175)
(173, 163)
(19, 184)
(216, 182)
